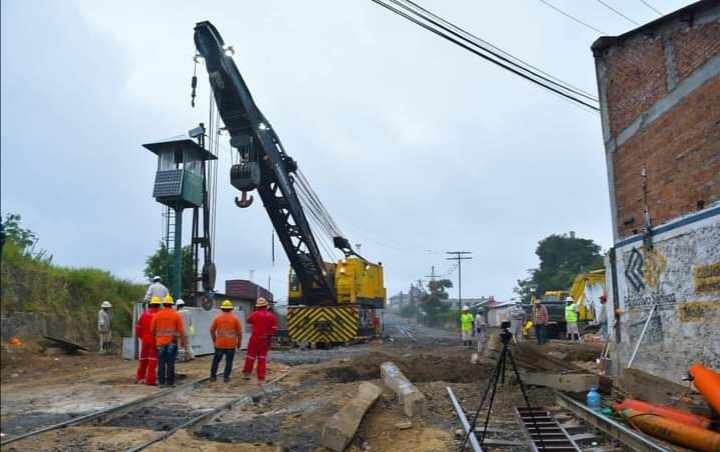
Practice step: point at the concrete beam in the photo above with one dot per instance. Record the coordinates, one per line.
(563, 382)
(341, 427)
(412, 400)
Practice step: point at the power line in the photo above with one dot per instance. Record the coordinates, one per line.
(517, 61)
(657, 11)
(483, 52)
(569, 16)
(617, 12)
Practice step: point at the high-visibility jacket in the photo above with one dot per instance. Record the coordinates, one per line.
(226, 330)
(142, 328)
(264, 325)
(466, 322)
(571, 313)
(167, 327)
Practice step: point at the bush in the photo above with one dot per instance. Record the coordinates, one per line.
(69, 297)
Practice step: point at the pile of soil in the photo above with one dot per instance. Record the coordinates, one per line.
(416, 367)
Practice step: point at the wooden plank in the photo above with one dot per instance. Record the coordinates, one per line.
(341, 427)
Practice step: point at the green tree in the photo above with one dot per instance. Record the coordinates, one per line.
(24, 239)
(160, 263)
(433, 304)
(562, 257)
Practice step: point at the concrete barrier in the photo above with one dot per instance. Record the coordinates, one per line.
(412, 400)
(341, 427)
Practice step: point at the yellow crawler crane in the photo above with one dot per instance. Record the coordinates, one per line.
(328, 302)
(360, 293)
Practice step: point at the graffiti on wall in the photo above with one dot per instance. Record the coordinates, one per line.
(707, 278)
(653, 334)
(699, 311)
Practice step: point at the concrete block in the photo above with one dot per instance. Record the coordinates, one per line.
(566, 382)
(341, 427)
(410, 397)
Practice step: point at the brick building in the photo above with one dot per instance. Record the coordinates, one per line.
(659, 89)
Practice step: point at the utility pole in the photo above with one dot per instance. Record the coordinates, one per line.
(459, 256)
(432, 274)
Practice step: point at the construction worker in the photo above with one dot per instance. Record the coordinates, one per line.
(147, 367)
(466, 326)
(540, 319)
(104, 327)
(480, 325)
(226, 334)
(517, 319)
(264, 327)
(602, 318)
(185, 353)
(168, 330)
(571, 318)
(156, 289)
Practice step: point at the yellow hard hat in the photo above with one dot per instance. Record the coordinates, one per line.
(227, 304)
(168, 299)
(155, 301)
(261, 302)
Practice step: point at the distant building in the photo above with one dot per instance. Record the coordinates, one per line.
(659, 88)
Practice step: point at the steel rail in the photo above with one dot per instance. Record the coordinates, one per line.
(203, 418)
(612, 428)
(103, 416)
(463, 420)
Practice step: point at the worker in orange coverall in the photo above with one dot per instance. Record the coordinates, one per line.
(264, 327)
(147, 367)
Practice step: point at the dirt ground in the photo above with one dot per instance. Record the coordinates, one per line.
(39, 390)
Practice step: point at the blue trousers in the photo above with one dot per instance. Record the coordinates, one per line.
(229, 356)
(541, 333)
(166, 364)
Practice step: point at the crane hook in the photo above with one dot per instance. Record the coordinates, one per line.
(244, 201)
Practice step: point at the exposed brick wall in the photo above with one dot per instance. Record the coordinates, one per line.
(681, 152)
(692, 47)
(636, 79)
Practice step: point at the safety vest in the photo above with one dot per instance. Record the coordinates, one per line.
(166, 326)
(466, 321)
(570, 314)
(227, 331)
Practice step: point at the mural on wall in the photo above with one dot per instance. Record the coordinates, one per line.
(707, 278)
(644, 268)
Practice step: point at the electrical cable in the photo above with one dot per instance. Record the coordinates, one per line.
(649, 5)
(569, 16)
(617, 12)
(515, 70)
(512, 59)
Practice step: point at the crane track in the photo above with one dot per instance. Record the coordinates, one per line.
(175, 413)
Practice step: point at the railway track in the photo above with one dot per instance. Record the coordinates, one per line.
(187, 406)
(569, 426)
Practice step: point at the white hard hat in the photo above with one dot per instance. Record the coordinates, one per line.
(156, 278)
(465, 308)
(179, 302)
(568, 299)
(105, 304)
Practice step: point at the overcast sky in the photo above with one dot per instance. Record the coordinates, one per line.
(414, 145)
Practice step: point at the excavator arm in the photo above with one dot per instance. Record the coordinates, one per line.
(264, 166)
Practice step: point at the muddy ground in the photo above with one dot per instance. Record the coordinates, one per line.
(39, 390)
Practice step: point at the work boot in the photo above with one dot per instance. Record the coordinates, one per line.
(246, 376)
(226, 379)
(213, 379)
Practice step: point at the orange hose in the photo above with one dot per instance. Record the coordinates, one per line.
(666, 412)
(707, 381)
(694, 438)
